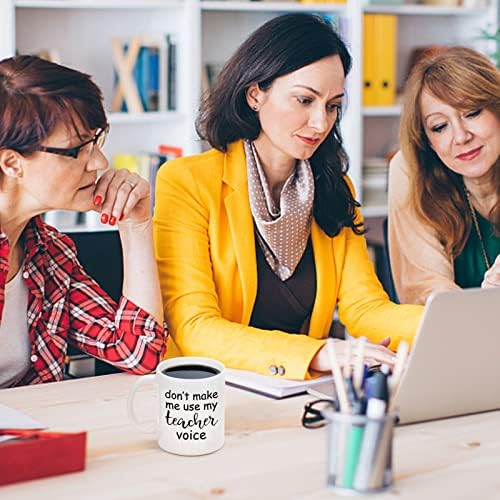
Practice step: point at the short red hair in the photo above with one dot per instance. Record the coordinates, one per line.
(36, 95)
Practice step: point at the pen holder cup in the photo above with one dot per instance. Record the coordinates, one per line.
(359, 452)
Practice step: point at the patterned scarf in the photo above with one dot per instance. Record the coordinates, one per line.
(283, 230)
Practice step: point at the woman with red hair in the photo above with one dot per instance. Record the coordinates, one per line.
(52, 129)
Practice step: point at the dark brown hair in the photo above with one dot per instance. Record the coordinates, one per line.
(281, 46)
(464, 79)
(36, 95)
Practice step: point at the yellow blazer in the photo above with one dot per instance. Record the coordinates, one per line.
(204, 239)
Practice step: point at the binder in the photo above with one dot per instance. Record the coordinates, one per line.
(385, 34)
(369, 95)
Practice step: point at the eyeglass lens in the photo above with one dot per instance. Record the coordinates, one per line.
(98, 140)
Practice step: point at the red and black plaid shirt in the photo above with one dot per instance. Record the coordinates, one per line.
(66, 306)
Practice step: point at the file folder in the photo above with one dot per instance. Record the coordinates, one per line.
(369, 95)
(385, 33)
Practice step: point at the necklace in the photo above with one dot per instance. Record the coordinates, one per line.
(476, 225)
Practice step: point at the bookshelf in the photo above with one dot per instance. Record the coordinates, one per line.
(208, 31)
(381, 110)
(418, 25)
(265, 6)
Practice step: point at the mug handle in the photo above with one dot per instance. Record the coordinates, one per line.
(146, 429)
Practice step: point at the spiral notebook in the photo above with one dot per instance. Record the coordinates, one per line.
(274, 387)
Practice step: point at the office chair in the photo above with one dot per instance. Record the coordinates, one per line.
(384, 267)
(100, 253)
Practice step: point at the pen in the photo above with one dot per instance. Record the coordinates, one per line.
(375, 411)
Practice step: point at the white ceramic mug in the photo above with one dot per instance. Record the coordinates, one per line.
(191, 400)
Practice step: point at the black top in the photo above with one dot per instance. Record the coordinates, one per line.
(284, 305)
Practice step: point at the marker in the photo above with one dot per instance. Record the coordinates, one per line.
(375, 412)
(353, 446)
(382, 470)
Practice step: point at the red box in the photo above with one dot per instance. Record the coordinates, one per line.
(37, 454)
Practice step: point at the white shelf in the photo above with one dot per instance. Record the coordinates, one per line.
(98, 4)
(249, 6)
(381, 111)
(209, 31)
(423, 10)
(84, 228)
(374, 210)
(142, 118)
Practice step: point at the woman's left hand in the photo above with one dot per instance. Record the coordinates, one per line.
(492, 275)
(122, 195)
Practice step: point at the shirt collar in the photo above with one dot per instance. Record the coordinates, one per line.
(35, 236)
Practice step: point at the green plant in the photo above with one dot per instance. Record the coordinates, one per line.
(493, 36)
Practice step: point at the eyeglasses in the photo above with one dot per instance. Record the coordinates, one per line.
(87, 147)
(312, 418)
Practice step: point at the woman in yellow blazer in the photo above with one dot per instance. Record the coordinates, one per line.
(217, 232)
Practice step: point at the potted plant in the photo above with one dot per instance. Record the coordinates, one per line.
(493, 35)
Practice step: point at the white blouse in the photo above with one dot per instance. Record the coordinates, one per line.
(15, 345)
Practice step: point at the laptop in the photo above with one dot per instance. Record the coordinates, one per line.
(454, 365)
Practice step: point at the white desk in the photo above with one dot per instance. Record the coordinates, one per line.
(267, 454)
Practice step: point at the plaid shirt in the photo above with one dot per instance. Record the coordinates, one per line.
(66, 306)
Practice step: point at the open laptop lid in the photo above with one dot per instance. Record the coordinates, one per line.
(454, 365)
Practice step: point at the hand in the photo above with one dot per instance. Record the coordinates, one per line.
(492, 275)
(122, 196)
(375, 354)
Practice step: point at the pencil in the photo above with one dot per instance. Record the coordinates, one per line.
(337, 376)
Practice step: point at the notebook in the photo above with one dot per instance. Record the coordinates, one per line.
(273, 387)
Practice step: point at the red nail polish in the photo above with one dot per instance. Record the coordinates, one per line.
(121, 217)
(98, 200)
(112, 220)
(104, 218)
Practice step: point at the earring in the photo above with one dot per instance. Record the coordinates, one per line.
(255, 107)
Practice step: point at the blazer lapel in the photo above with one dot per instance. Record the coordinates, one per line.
(241, 224)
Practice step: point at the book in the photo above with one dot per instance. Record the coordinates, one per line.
(172, 71)
(379, 59)
(385, 37)
(140, 74)
(273, 387)
(147, 164)
(369, 97)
